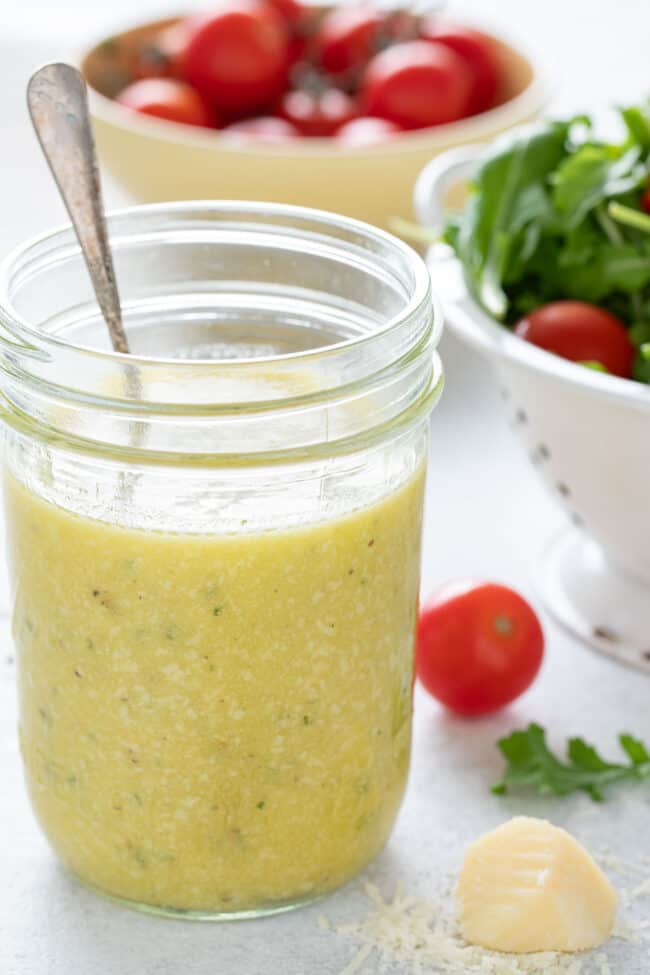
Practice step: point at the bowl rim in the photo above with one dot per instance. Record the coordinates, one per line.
(472, 129)
(464, 315)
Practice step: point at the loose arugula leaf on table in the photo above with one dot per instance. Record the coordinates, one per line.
(532, 765)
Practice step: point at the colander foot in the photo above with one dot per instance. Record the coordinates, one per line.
(594, 599)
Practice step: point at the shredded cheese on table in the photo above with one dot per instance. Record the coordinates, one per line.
(410, 931)
(603, 965)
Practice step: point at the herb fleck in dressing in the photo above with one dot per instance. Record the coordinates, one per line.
(215, 754)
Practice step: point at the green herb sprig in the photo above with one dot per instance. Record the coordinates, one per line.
(532, 765)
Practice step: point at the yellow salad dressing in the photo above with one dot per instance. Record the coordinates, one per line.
(215, 723)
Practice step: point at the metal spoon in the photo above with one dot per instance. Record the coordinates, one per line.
(58, 105)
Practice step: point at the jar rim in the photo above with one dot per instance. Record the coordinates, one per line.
(371, 380)
(38, 343)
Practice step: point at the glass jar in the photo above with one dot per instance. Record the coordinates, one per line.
(214, 548)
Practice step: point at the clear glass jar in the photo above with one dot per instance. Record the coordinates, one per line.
(214, 548)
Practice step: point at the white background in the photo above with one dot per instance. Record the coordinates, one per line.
(487, 517)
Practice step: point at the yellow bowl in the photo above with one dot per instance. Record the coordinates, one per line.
(157, 160)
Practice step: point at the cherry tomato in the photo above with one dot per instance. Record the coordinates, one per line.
(479, 54)
(581, 332)
(291, 10)
(348, 37)
(298, 51)
(417, 84)
(266, 129)
(160, 57)
(302, 23)
(479, 646)
(317, 114)
(367, 131)
(645, 200)
(238, 57)
(175, 101)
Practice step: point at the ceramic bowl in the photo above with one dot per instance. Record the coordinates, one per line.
(587, 436)
(156, 160)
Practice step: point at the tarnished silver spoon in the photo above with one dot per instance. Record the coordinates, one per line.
(58, 105)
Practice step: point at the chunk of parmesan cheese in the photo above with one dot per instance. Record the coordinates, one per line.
(529, 886)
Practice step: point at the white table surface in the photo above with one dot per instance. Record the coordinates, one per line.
(486, 517)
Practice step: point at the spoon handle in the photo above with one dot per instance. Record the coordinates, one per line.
(58, 106)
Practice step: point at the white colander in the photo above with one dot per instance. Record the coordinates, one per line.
(587, 435)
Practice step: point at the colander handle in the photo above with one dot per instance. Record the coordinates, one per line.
(437, 178)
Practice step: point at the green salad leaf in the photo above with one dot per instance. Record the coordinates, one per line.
(590, 176)
(595, 365)
(637, 123)
(554, 213)
(532, 765)
(511, 195)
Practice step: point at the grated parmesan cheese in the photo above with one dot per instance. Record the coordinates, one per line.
(641, 890)
(410, 929)
(603, 965)
(358, 960)
(425, 937)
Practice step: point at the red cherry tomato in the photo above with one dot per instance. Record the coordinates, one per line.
(175, 101)
(479, 646)
(348, 37)
(301, 22)
(317, 114)
(291, 10)
(298, 50)
(367, 131)
(160, 57)
(266, 129)
(238, 57)
(581, 332)
(478, 52)
(417, 84)
(645, 200)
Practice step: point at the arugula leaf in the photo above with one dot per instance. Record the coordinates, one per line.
(413, 231)
(499, 210)
(592, 175)
(640, 334)
(608, 269)
(637, 123)
(629, 216)
(594, 364)
(641, 369)
(532, 765)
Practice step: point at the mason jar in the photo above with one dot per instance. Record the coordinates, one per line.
(214, 548)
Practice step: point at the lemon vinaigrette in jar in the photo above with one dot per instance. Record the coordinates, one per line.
(215, 569)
